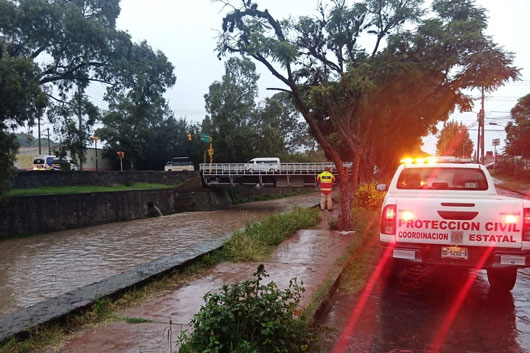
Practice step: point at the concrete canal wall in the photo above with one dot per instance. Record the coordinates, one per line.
(47, 213)
(35, 179)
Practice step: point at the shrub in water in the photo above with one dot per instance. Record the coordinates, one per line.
(248, 317)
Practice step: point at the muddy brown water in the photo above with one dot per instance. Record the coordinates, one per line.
(41, 267)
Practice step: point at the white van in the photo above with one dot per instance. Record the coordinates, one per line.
(264, 164)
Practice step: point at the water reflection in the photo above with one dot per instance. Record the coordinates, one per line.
(44, 266)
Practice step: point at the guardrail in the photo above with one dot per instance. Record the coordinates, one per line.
(237, 169)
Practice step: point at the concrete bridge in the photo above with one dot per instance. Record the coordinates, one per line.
(287, 175)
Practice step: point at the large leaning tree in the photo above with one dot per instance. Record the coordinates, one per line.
(368, 104)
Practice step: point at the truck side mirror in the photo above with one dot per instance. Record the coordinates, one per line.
(380, 187)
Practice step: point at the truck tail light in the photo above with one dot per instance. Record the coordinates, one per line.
(526, 224)
(388, 220)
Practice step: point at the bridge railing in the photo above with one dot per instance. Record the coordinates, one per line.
(285, 169)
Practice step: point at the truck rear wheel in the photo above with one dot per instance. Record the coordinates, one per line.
(502, 278)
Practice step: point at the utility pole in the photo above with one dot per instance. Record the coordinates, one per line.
(478, 137)
(482, 135)
(49, 146)
(38, 123)
(80, 117)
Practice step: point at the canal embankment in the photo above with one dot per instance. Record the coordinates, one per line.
(34, 214)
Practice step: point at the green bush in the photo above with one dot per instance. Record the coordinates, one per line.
(248, 317)
(366, 196)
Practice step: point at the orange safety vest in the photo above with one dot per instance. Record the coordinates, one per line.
(325, 180)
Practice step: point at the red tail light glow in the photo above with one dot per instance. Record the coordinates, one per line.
(388, 220)
(510, 219)
(526, 224)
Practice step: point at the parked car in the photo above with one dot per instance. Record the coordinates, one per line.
(43, 162)
(58, 164)
(179, 164)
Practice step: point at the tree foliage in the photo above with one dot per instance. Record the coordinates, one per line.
(367, 104)
(242, 129)
(230, 105)
(78, 37)
(518, 131)
(454, 140)
(138, 117)
(72, 43)
(73, 122)
(21, 102)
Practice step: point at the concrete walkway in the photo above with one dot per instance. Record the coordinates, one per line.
(308, 255)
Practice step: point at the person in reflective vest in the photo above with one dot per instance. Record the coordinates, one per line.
(325, 180)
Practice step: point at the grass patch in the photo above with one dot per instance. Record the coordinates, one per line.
(80, 189)
(267, 233)
(364, 251)
(236, 198)
(257, 240)
(135, 320)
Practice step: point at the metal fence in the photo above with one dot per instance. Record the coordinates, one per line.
(236, 169)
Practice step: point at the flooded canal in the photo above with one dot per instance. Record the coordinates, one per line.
(41, 267)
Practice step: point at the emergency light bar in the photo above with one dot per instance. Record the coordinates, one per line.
(433, 160)
(419, 160)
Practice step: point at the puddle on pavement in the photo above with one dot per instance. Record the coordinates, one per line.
(41, 267)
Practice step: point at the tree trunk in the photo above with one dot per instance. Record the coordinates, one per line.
(346, 192)
(355, 170)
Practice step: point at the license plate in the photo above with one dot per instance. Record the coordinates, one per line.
(454, 252)
(404, 254)
(512, 260)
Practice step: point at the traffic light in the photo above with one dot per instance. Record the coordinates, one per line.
(189, 137)
(120, 154)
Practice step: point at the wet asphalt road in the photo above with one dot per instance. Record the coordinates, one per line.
(407, 312)
(405, 315)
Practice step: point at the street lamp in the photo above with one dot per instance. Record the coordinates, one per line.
(95, 140)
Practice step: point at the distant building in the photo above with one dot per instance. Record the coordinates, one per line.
(26, 155)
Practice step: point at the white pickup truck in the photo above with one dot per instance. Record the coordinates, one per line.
(450, 214)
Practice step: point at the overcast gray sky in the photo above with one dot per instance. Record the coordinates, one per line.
(186, 32)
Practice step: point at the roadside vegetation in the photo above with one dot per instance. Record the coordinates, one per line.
(511, 182)
(80, 189)
(251, 243)
(248, 317)
(366, 250)
(237, 198)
